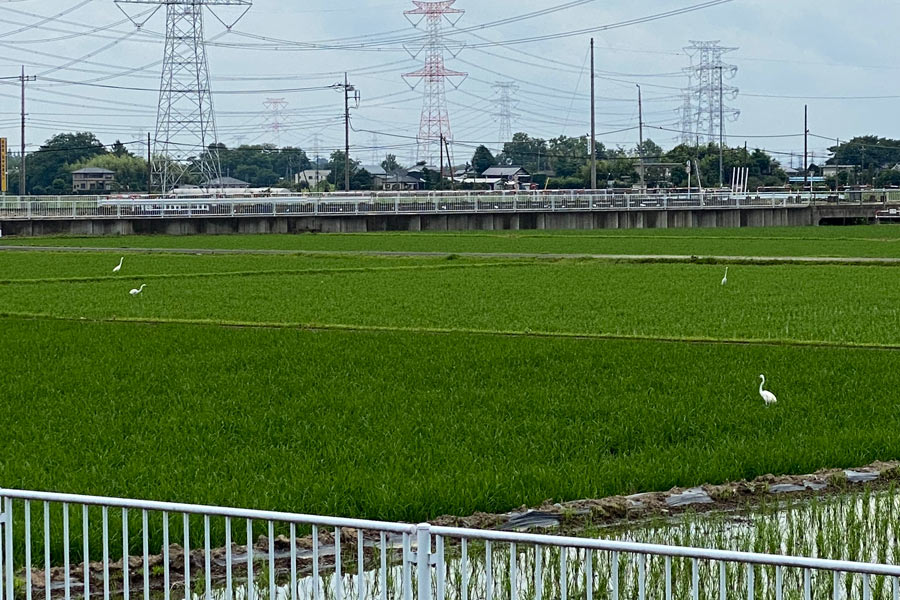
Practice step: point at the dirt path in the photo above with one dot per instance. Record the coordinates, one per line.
(674, 258)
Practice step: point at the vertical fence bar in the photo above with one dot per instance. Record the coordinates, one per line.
(47, 577)
(228, 574)
(104, 512)
(27, 550)
(695, 579)
(407, 576)
(145, 535)
(512, 571)
(589, 575)
(423, 564)
(488, 572)
(360, 566)
(642, 576)
(9, 562)
(86, 551)
(563, 574)
(867, 587)
(2, 550)
(807, 584)
(836, 583)
(896, 584)
(293, 536)
(315, 545)
(614, 559)
(66, 551)
(338, 576)
(187, 555)
(538, 573)
(207, 560)
(779, 583)
(384, 580)
(464, 565)
(272, 554)
(165, 524)
(439, 568)
(126, 554)
(250, 585)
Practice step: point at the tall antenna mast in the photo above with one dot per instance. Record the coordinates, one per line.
(434, 125)
(184, 146)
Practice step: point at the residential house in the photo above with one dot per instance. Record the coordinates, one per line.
(312, 177)
(510, 177)
(93, 179)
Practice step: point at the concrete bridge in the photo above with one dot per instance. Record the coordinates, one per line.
(451, 211)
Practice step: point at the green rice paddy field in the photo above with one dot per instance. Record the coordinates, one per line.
(399, 387)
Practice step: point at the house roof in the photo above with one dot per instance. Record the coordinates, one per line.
(503, 172)
(374, 169)
(93, 171)
(227, 181)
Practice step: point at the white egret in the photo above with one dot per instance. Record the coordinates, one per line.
(138, 291)
(767, 396)
(725, 280)
(119, 266)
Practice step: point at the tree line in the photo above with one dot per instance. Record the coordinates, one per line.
(558, 163)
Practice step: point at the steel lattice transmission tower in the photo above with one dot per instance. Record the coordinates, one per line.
(185, 142)
(275, 120)
(506, 102)
(708, 92)
(434, 125)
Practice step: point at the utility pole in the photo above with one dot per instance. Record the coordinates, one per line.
(593, 125)
(346, 134)
(347, 89)
(441, 177)
(641, 134)
(806, 182)
(450, 164)
(22, 179)
(149, 167)
(721, 130)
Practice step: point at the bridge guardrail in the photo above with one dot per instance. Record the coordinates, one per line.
(62, 207)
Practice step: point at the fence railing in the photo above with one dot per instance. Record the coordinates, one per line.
(100, 207)
(69, 546)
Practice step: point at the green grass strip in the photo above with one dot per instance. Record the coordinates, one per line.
(225, 274)
(774, 342)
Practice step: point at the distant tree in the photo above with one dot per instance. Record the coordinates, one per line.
(47, 172)
(390, 164)
(131, 171)
(119, 149)
(360, 179)
(483, 160)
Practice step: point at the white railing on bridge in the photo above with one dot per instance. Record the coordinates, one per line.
(406, 203)
(68, 546)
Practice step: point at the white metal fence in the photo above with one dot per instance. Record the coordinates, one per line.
(406, 203)
(67, 546)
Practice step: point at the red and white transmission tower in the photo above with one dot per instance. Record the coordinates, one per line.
(435, 122)
(275, 119)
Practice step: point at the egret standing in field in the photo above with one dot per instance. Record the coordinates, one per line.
(725, 279)
(138, 291)
(767, 396)
(119, 266)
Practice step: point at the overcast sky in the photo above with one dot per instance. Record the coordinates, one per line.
(838, 57)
